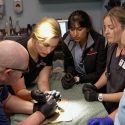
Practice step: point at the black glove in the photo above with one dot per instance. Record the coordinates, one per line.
(91, 95)
(38, 96)
(47, 109)
(88, 86)
(68, 81)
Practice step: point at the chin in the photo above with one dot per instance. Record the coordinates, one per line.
(110, 40)
(77, 41)
(43, 55)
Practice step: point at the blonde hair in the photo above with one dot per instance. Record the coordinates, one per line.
(46, 28)
(117, 13)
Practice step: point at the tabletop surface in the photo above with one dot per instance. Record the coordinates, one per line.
(79, 110)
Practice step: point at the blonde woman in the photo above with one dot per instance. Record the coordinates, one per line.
(114, 75)
(40, 45)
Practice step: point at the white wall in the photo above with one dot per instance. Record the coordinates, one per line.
(35, 9)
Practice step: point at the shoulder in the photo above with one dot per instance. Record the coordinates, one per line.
(96, 36)
(111, 49)
(66, 38)
(65, 35)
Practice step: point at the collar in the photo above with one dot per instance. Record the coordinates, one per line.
(90, 41)
(69, 40)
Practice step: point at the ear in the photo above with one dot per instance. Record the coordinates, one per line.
(7, 71)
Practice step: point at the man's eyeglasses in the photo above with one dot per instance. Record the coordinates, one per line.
(24, 71)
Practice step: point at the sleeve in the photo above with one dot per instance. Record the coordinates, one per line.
(68, 60)
(3, 93)
(119, 118)
(100, 63)
(3, 118)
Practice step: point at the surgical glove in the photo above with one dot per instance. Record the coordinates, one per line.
(91, 95)
(38, 96)
(87, 87)
(100, 121)
(68, 81)
(47, 109)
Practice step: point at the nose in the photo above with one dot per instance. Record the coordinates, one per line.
(75, 33)
(106, 31)
(48, 50)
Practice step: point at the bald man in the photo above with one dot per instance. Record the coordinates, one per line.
(13, 63)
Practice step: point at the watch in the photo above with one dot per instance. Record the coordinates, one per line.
(100, 97)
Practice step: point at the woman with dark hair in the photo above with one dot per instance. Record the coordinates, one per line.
(84, 51)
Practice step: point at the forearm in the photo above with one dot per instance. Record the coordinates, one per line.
(44, 86)
(21, 90)
(113, 97)
(101, 82)
(24, 94)
(43, 79)
(35, 119)
(70, 69)
(15, 104)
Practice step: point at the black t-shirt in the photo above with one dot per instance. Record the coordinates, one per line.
(35, 67)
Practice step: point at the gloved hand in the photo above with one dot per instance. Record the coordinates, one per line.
(91, 95)
(88, 86)
(38, 96)
(47, 109)
(68, 81)
(43, 97)
(100, 121)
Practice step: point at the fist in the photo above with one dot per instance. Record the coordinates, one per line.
(87, 87)
(91, 95)
(47, 109)
(38, 96)
(68, 81)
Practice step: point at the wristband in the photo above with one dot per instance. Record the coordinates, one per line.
(100, 97)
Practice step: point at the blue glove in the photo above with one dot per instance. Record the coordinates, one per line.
(100, 121)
